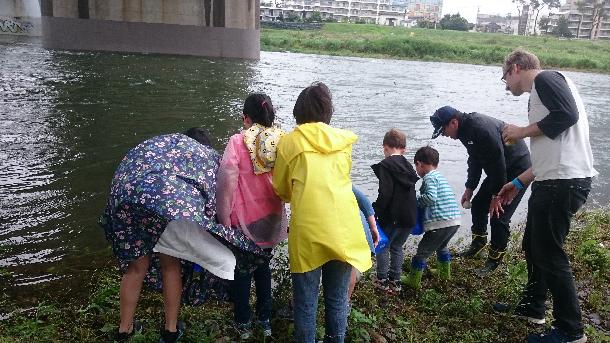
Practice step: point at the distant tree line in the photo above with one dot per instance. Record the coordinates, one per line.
(448, 22)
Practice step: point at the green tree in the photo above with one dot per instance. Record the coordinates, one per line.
(292, 17)
(539, 5)
(562, 29)
(580, 6)
(599, 11)
(454, 22)
(425, 24)
(543, 24)
(315, 17)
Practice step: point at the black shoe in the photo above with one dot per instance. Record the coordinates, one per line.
(474, 249)
(172, 337)
(494, 259)
(476, 246)
(555, 335)
(490, 266)
(125, 336)
(519, 312)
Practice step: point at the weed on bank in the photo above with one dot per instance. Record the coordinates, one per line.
(455, 311)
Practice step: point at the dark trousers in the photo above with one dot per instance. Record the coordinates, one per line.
(500, 226)
(550, 210)
(240, 293)
(389, 261)
(434, 241)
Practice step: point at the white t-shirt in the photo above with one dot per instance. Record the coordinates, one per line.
(568, 154)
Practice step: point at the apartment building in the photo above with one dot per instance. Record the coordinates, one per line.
(425, 9)
(370, 11)
(581, 21)
(497, 23)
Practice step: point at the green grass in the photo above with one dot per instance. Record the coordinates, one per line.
(455, 311)
(437, 45)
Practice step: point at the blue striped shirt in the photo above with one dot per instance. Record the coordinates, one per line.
(438, 201)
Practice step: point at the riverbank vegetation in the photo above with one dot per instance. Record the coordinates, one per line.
(455, 311)
(368, 40)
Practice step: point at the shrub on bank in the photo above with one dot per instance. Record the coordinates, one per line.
(438, 45)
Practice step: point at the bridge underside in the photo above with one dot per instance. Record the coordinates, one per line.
(217, 28)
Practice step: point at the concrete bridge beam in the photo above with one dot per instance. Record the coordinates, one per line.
(218, 28)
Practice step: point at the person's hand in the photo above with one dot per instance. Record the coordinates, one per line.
(466, 196)
(375, 236)
(510, 133)
(504, 197)
(508, 192)
(495, 206)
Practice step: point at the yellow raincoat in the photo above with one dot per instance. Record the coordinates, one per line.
(312, 173)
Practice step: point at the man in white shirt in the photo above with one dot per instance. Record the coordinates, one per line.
(561, 172)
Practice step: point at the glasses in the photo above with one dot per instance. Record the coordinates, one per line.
(503, 79)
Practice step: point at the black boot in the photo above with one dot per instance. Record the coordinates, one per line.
(476, 246)
(494, 259)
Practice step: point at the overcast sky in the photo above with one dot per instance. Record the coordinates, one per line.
(468, 8)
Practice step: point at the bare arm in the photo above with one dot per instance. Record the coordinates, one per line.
(508, 192)
(373, 228)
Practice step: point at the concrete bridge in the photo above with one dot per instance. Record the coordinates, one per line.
(218, 28)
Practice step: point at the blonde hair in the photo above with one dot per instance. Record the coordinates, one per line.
(524, 59)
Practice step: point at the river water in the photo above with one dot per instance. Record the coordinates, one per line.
(67, 118)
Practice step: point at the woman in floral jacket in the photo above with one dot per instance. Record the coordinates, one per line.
(162, 201)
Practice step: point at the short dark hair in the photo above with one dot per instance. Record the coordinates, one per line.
(200, 135)
(395, 139)
(259, 109)
(427, 155)
(314, 104)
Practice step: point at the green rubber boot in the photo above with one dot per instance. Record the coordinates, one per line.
(413, 279)
(444, 270)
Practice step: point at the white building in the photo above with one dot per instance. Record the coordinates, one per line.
(425, 9)
(581, 22)
(370, 11)
(497, 24)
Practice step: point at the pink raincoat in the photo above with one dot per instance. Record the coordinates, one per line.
(247, 200)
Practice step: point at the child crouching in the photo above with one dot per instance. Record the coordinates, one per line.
(441, 217)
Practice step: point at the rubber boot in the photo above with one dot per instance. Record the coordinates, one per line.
(444, 265)
(476, 246)
(494, 259)
(413, 279)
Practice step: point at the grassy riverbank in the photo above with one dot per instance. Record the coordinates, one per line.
(458, 311)
(437, 45)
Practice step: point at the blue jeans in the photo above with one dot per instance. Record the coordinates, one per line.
(389, 261)
(240, 294)
(305, 289)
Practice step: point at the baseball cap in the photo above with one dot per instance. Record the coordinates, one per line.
(440, 118)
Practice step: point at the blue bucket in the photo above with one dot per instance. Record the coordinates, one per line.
(418, 229)
(384, 242)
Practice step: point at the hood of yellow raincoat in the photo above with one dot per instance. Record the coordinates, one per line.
(312, 173)
(320, 137)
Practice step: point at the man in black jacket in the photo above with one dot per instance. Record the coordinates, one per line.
(482, 137)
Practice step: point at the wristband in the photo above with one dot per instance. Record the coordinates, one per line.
(518, 183)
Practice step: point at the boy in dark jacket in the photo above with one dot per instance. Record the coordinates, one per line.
(396, 207)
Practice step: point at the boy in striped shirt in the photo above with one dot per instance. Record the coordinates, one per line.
(441, 217)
